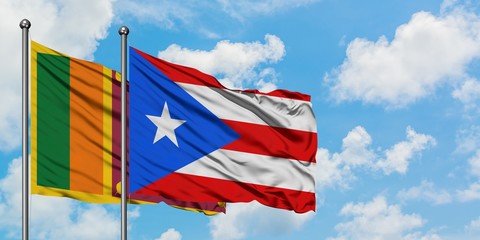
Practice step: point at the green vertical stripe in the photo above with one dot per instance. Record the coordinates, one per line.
(53, 116)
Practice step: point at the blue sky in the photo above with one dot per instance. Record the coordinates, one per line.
(395, 89)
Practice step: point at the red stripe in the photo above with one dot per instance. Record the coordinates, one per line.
(195, 188)
(273, 141)
(179, 73)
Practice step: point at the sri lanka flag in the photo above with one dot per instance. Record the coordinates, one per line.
(75, 132)
(192, 139)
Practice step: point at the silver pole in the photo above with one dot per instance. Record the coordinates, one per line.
(123, 31)
(25, 26)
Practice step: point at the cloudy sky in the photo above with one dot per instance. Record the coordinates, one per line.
(395, 88)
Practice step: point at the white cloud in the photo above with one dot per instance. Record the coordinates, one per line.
(411, 66)
(90, 222)
(468, 93)
(170, 234)
(337, 169)
(474, 163)
(468, 140)
(71, 26)
(11, 196)
(244, 219)
(398, 157)
(134, 213)
(425, 191)
(473, 226)
(420, 236)
(470, 194)
(242, 9)
(355, 150)
(378, 220)
(471, 231)
(331, 171)
(448, 5)
(242, 69)
(169, 13)
(52, 217)
(161, 12)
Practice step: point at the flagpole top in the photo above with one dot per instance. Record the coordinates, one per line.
(123, 30)
(25, 24)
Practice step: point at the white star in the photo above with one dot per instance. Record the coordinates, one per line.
(165, 125)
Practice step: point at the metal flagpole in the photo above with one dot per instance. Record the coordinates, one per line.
(25, 26)
(123, 31)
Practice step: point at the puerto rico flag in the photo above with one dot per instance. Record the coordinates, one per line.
(192, 139)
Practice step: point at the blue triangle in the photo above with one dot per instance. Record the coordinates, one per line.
(201, 134)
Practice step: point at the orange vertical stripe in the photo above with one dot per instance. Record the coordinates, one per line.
(86, 126)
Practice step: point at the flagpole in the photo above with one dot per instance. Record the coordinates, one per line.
(25, 26)
(123, 31)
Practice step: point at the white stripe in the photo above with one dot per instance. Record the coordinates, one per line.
(256, 169)
(254, 108)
